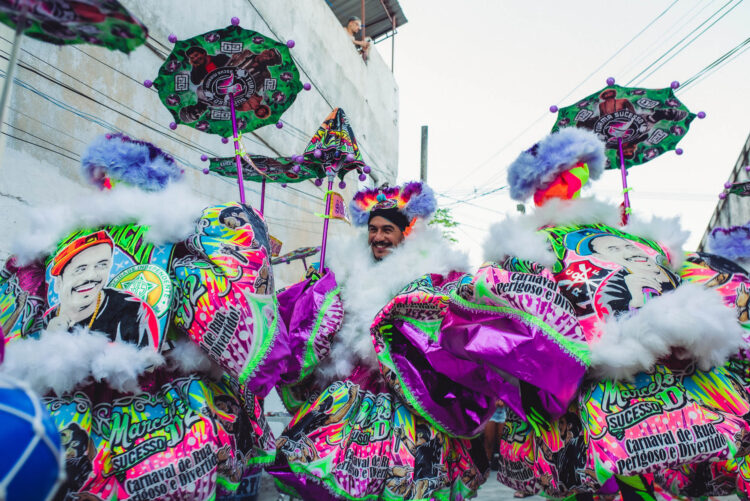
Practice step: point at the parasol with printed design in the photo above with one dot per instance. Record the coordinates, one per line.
(636, 124)
(228, 81)
(62, 22)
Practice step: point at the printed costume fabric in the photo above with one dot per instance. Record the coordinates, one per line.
(380, 434)
(186, 428)
(673, 423)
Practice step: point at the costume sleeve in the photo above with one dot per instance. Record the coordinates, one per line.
(452, 345)
(226, 301)
(312, 313)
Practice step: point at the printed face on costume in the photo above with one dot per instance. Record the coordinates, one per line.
(197, 57)
(82, 280)
(383, 236)
(625, 253)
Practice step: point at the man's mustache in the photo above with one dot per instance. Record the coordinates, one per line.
(384, 243)
(86, 283)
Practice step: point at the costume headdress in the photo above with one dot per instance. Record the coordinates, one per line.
(72, 249)
(399, 204)
(116, 157)
(732, 243)
(557, 166)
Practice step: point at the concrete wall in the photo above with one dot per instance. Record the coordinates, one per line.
(69, 95)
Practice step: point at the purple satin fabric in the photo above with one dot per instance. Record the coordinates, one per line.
(299, 307)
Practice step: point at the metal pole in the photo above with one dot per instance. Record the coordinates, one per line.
(423, 162)
(393, 42)
(262, 195)
(325, 224)
(624, 173)
(235, 134)
(12, 63)
(364, 26)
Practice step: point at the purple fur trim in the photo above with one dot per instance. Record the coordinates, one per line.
(422, 202)
(138, 163)
(537, 167)
(732, 243)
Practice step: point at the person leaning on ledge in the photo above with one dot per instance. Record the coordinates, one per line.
(354, 26)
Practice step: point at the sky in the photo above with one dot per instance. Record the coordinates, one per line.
(483, 74)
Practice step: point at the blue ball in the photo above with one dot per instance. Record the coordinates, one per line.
(30, 442)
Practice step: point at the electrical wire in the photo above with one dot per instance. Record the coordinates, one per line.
(719, 62)
(656, 61)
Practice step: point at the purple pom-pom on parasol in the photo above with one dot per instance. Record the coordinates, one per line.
(679, 151)
(172, 125)
(701, 115)
(363, 177)
(225, 140)
(317, 153)
(148, 83)
(675, 84)
(553, 109)
(318, 182)
(349, 157)
(235, 21)
(366, 169)
(206, 171)
(296, 169)
(722, 195)
(283, 185)
(279, 124)
(306, 86)
(610, 81)
(342, 185)
(747, 168)
(172, 38)
(204, 157)
(727, 185)
(290, 44)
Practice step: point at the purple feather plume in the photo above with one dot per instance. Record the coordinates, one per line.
(137, 163)
(732, 243)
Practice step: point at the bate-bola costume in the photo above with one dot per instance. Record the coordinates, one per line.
(136, 314)
(659, 402)
(396, 364)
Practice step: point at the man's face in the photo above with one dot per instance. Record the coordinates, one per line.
(84, 277)
(383, 236)
(355, 26)
(197, 58)
(625, 253)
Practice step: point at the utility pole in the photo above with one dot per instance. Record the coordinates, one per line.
(423, 162)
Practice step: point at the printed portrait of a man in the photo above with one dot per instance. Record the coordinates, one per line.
(80, 273)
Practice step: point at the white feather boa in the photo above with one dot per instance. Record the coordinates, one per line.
(367, 286)
(518, 235)
(59, 361)
(170, 215)
(691, 318)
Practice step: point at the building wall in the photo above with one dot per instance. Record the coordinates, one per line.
(69, 95)
(733, 210)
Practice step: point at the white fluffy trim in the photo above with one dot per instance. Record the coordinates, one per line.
(691, 317)
(59, 361)
(186, 357)
(517, 235)
(170, 214)
(368, 285)
(667, 231)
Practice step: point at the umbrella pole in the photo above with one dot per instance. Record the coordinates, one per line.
(262, 195)
(12, 60)
(237, 157)
(624, 173)
(325, 223)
